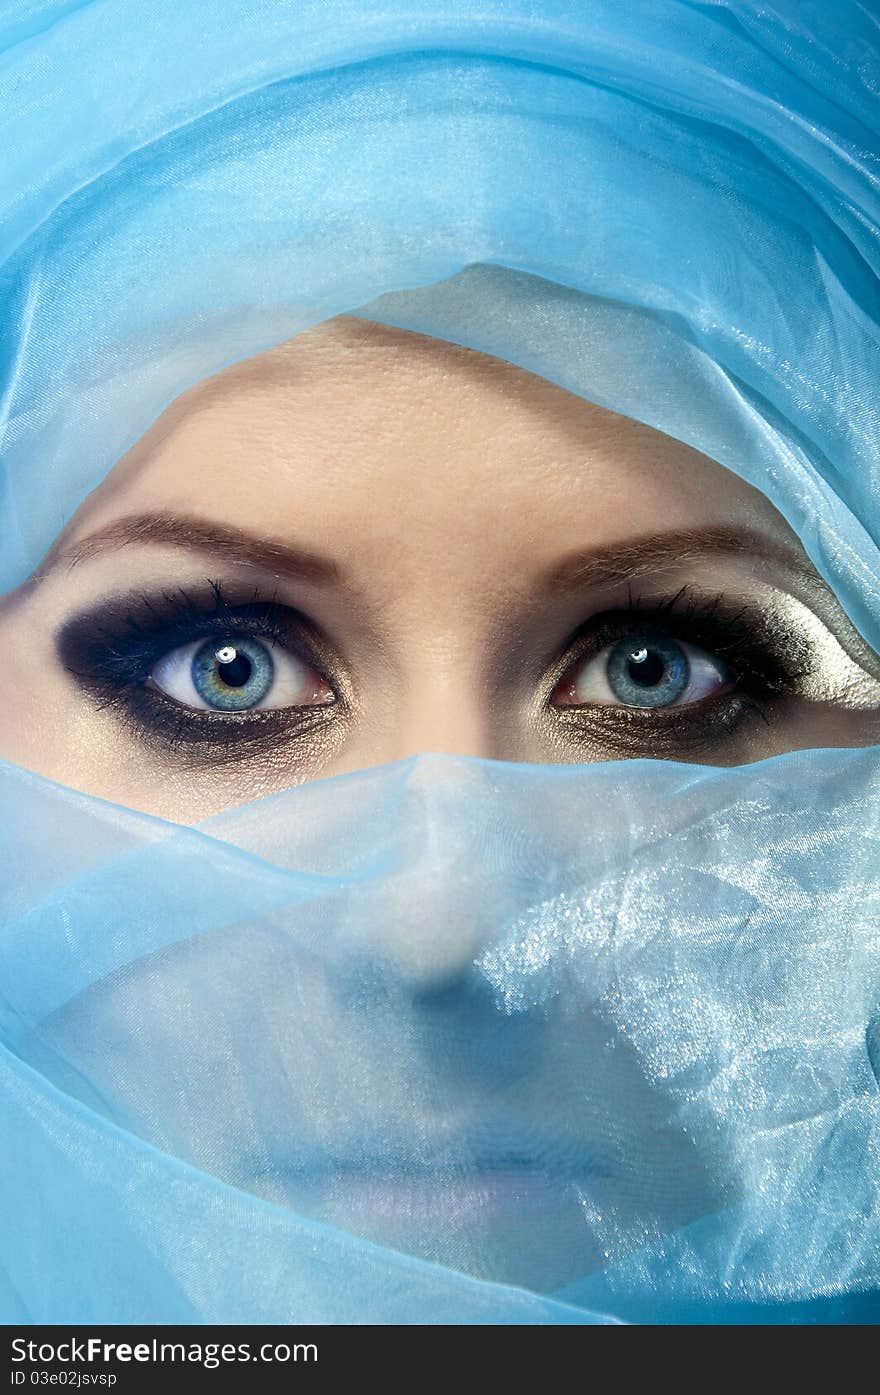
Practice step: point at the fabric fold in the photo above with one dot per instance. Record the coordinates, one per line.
(449, 1040)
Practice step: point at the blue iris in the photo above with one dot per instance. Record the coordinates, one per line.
(648, 672)
(232, 675)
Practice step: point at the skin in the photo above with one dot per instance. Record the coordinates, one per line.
(447, 490)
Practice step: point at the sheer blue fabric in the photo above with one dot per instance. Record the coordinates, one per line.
(238, 1080)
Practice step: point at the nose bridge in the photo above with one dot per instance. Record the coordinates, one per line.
(445, 706)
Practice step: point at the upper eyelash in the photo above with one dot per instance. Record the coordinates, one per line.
(134, 632)
(112, 652)
(182, 615)
(184, 611)
(755, 647)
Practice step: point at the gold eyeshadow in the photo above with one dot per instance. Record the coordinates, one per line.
(772, 654)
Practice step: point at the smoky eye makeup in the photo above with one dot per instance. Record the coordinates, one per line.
(204, 673)
(681, 674)
(217, 673)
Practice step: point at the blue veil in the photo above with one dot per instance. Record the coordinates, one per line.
(215, 1042)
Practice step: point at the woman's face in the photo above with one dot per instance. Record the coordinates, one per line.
(367, 543)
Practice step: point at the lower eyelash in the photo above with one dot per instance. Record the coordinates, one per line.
(111, 651)
(212, 738)
(765, 661)
(665, 733)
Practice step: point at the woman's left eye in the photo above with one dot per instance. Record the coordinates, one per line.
(238, 673)
(647, 671)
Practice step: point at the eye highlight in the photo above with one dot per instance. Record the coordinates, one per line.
(215, 675)
(238, 673)
(689, 676)
(201, 677)
(647, 671)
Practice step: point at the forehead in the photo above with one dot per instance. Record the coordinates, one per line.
(361, 437)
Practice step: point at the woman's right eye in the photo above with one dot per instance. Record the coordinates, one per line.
(238, 673)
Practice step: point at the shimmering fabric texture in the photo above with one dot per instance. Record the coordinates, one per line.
(242, 1079)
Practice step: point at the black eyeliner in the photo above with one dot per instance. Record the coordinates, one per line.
(111, 648)
(760, 648)
(765, 658)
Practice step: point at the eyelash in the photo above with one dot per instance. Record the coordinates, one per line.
(112, 650)
(765, 658)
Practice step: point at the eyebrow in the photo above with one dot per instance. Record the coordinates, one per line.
(628, 559)
(609, 565)
(194, 535)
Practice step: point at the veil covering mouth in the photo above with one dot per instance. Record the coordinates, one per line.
(236, 1084)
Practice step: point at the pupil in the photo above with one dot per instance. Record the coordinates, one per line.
(645, 668)
(236, 673)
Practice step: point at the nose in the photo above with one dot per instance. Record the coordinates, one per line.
(434, 927)
(438, 907)
(431, 911)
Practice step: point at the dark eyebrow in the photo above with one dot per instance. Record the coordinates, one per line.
(625, 560)
(194, 534)
(609, 565)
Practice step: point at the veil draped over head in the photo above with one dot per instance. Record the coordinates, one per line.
(226, 1050)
